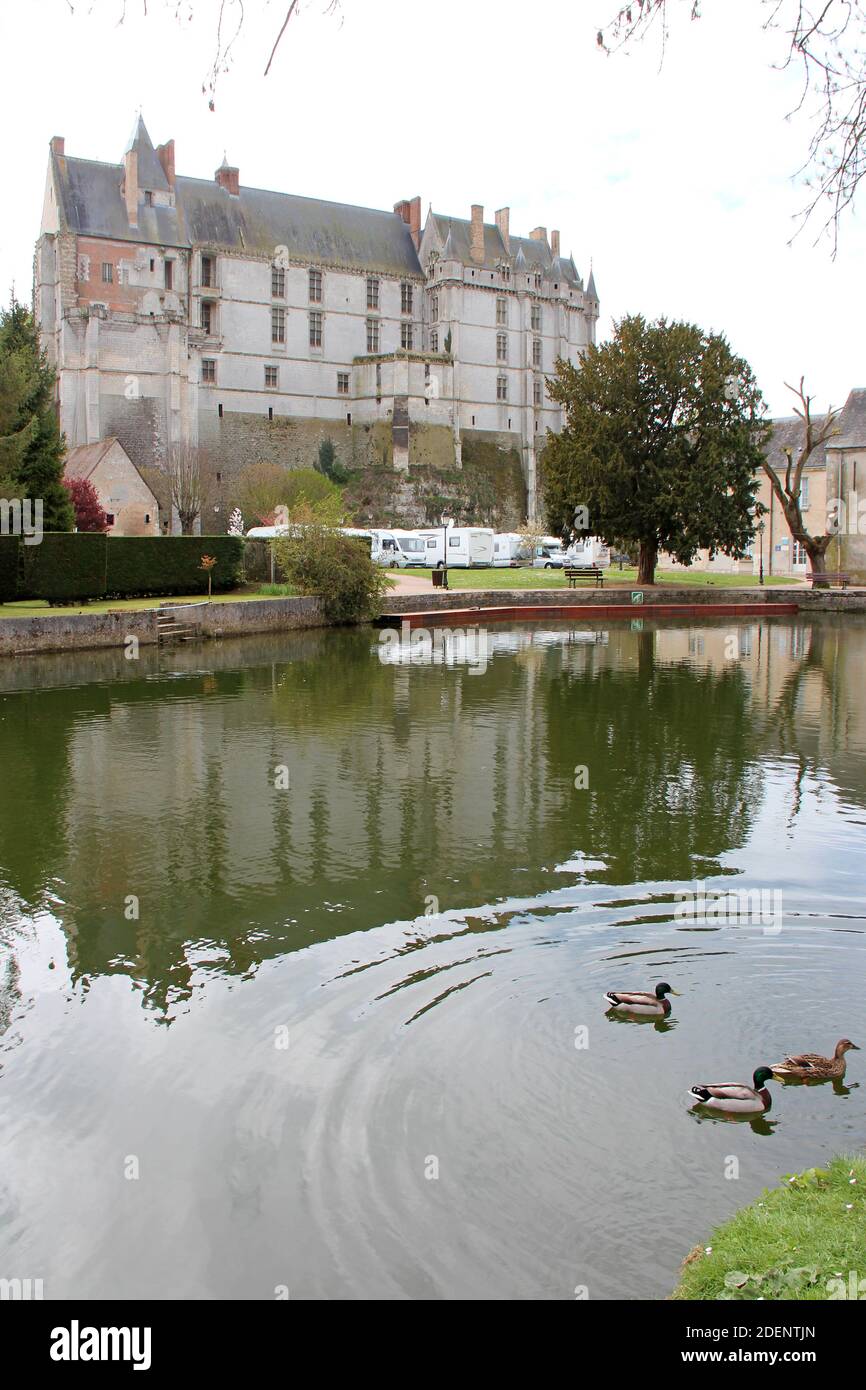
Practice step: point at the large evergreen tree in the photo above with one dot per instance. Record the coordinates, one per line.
(32, 449)
(661, 444)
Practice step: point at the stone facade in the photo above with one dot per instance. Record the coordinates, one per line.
(255, 324)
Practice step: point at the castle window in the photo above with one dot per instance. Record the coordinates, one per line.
(372, 292)
(536, 352)
(406, 335)
(148, 198)
(109, 517)
(434, 306)
(434, 341)
(208, 277)
(84, 267)
(169, 274)
(502, 312)
(536, 318)
(278, 282)
(502, 388)
(315, 288)
(278, 324)
(208, 316)
(152, 265)
(107, 273)
(342, 383)
(272, 376)
(372, 335)
(502, 347)
(536, 393)
(405, 297)
(315, 329)
(208, 370)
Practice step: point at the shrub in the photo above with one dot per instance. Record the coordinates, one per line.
(139, 565)
(319, 560)
(64, 567)
(9, 560)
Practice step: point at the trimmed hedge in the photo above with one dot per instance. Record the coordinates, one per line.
(9, 553)
(65, 566)
(70, 566)
(142, 565)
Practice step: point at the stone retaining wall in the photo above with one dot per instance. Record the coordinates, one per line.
(111, 629)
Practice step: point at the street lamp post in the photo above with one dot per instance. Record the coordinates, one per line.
(761, 551)
(446, 522)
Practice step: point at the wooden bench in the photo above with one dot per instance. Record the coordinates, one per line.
(573, 573)
(825, 580)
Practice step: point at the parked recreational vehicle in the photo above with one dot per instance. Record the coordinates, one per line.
(509, 549)
(398, 549)
(469, 547)
(548, 554)
(588, 551)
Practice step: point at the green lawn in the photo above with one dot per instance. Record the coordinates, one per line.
(39, 608)
(797, 1241)
(553, 579)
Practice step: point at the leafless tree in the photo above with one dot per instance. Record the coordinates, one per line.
(787, 489)
(186, 470)
(826, 42)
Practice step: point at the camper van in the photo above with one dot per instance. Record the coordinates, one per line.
(586, 552)
(548, 554)
(509, 549)
(468, 547)
(398, 549)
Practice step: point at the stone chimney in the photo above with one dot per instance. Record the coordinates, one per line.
(229, 177)
(165, 155)
(410, 211)
(58, 144)
(502, 217)
(130, 186)
(554, 243)
(476, 245)
(539, 234)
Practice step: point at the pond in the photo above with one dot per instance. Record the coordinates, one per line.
(304, 942)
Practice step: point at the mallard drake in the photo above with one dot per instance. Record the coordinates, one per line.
(735, 1098)
(647, 1005)
(810, 1065)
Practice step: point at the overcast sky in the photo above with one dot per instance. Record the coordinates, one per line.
(673, 179)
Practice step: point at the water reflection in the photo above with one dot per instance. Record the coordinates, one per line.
(157, 783)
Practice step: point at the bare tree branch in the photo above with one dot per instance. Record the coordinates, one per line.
(788, 493)
(826, 39)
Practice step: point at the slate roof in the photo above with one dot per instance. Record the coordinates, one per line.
(850, 424)
(524, 252)
(313, 230)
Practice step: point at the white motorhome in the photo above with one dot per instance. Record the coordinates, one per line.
(588, 551)
(468, 547)
(548, 554)
(509, 549)
(398, 549)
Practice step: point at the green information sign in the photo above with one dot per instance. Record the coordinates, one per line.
(637, 595)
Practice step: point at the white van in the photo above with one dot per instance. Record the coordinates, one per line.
(398, 549)
(509, 549)
(468, 547)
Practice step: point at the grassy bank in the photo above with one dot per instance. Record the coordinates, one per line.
(39, 608)
(797, 1241)
(626, 578)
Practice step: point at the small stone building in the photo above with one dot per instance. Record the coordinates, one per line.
(123, 494)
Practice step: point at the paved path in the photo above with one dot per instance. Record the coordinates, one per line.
(405, 582)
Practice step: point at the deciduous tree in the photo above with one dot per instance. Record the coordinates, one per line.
(788, 486)
(89, 514)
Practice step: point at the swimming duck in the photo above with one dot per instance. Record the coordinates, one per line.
(735, 1098)
(810, 1065)
(647, 1005)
